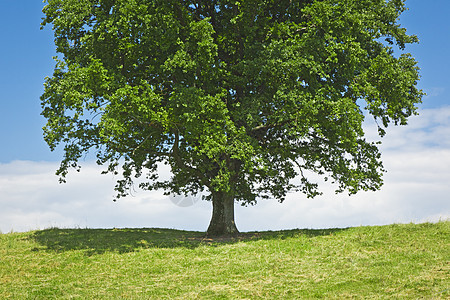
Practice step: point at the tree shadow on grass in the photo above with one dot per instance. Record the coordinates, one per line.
(98, 241)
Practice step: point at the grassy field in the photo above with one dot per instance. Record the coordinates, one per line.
(395, 261)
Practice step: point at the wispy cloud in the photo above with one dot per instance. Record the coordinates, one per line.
(417, 188)
(435, 92)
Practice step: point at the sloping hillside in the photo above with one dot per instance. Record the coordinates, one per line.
(395, 261)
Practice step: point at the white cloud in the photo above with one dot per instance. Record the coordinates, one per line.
(31, 197)
(417, 188)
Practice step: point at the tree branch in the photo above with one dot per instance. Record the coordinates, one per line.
(179, 161)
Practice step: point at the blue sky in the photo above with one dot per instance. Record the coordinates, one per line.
(417, 156)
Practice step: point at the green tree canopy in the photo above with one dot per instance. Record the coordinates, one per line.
(241, 98)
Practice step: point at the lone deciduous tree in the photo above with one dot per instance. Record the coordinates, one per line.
(239, 97)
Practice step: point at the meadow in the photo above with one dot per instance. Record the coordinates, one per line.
(407, 261)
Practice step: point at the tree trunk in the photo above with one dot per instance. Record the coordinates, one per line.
(222, 220)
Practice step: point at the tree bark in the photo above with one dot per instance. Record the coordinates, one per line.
(222, 220)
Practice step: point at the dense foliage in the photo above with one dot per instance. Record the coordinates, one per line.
(240, 98)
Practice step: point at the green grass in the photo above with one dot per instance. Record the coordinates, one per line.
(395, 261)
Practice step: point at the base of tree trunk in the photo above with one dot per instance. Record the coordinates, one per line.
(222, 220)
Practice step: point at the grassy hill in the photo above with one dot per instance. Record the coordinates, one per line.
(395, 261)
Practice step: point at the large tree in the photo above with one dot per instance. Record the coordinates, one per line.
(242, 98)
